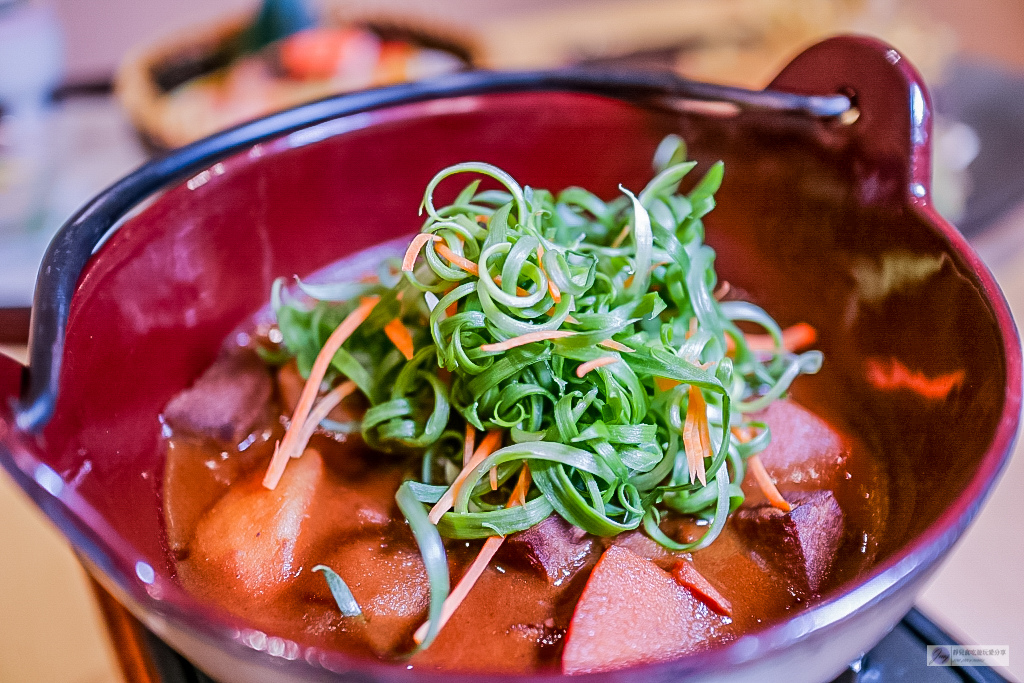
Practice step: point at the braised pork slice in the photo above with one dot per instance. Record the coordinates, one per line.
(227, 402)
(801, 543)
(805, 453)
(553, 547)
(632, 612)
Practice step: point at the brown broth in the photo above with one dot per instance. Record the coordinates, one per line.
(513, 620)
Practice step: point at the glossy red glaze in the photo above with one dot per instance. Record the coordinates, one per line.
(810, 215)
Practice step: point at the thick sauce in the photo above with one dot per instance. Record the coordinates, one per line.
(251, 551)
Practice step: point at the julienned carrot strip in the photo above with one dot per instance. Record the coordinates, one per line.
(490, 444)
(553, 290)
(493, 476)
(765, 483)
(476, 569)
(615, 346)
(467, 449)
(584, 368)
(744, 434)
(409, 262)
(686, 575)
(456, 260)
(893, 375)
(467, 582)
(523, 339)
(794, 338)
(323, 360)
(400, 337)
(319, 412)
(696, 436)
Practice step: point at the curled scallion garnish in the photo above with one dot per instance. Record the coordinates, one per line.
(582, 336)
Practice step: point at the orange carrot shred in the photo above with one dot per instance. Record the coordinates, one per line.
(654, 266)
(456, 260)
(414, 249)
(696, 438)
(665, 384)
(522, 487)
(687, 576)
(493, 476)
(400, 337)
(312, 387)
(519, 290)
(467, 450)
(744, 434)
(467, 582)
(556, 294)
(621, 237)
(895, 375)
(794, 338)
(584, 368)
(322, 408)
(528, 338)
(615, 346)
(476, 569)
(490, 444)
(765, 483)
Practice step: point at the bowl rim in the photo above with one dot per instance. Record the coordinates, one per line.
(73, 246)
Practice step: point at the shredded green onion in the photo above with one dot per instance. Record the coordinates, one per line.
(633, 281)
(339, 590)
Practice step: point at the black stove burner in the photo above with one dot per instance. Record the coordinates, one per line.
(900, 657)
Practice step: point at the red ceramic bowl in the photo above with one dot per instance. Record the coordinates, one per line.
(813, 212)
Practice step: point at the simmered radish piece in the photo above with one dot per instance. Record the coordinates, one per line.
(252, 535)
(554, 547)
(801, 543)
(632, 612)
(227, 402)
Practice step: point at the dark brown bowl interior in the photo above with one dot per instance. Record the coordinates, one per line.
(811, 217)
